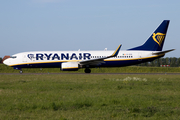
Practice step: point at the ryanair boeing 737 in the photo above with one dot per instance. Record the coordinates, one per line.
(74, 60)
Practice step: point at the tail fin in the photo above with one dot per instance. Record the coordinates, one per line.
(156, 40)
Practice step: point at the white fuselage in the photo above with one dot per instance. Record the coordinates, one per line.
(41, 58)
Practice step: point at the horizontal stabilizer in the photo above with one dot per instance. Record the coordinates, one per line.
(162, 52)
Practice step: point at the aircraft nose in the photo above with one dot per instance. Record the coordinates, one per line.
(6, 62)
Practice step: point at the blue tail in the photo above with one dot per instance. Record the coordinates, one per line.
(156, 40)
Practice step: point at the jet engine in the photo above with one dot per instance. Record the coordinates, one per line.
(70, 66)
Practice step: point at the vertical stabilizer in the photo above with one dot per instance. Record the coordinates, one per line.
(156, 41)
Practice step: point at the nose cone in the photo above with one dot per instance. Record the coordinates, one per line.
(5, 58)
(6, 62)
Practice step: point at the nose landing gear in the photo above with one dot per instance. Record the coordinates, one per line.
(20, 71)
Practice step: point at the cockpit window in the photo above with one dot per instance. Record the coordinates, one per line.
(13, 57)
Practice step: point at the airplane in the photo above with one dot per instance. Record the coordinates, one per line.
(74, 60)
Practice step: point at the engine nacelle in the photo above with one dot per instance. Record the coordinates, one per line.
(70, 66)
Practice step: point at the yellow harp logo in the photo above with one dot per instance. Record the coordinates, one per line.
(158, 38)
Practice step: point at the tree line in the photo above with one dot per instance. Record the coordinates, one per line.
(172, 61)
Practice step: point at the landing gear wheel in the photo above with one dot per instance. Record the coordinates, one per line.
(87, 70)
(20, 71)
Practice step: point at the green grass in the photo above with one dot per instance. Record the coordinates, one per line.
(89, 96)
(130, 69)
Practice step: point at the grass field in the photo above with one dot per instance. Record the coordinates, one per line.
(89, 96)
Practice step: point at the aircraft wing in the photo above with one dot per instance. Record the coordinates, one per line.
(162, 52)
(100, 60)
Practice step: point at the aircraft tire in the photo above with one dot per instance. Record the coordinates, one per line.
(20, 71)
(87, 70)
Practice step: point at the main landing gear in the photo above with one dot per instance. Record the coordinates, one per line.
(87, 70)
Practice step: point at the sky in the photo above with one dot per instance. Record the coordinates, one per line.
(61, 25)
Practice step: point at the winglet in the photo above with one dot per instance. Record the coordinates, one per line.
(116, 51)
